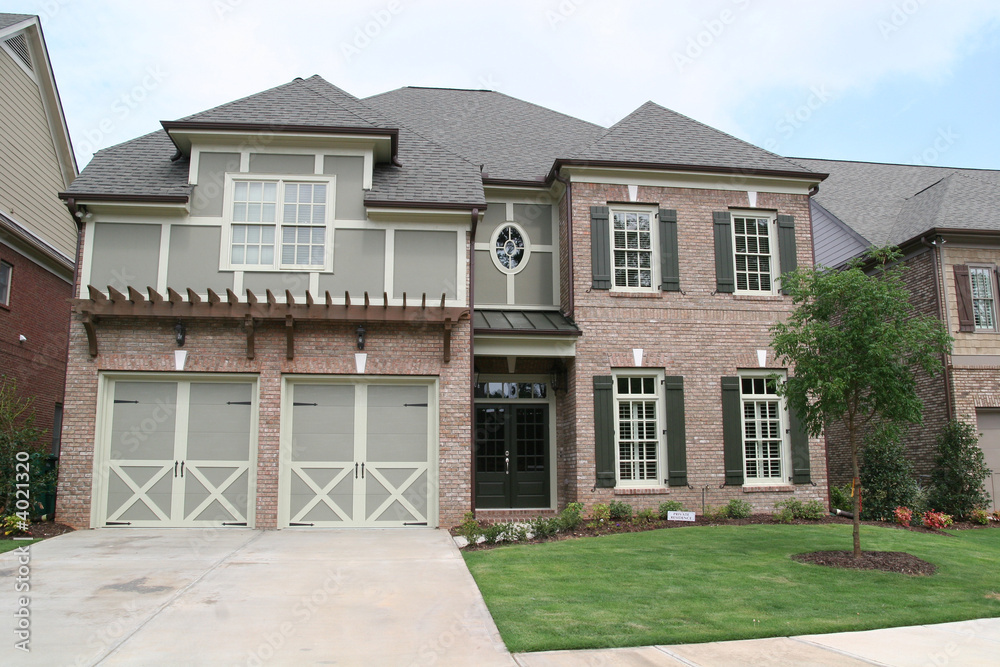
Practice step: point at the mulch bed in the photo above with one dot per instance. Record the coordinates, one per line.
(43, 530)
(886, 561)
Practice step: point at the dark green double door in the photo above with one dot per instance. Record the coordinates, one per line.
(512, 456)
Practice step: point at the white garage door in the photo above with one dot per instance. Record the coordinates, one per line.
(989, 426)
(358, 455)
(178, 453)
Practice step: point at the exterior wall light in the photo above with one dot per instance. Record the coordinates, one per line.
(361, 337)
(181, 333)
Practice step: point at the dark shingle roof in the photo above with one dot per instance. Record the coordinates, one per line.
(7, 20)
(893, 203)
(428, 173)
(140, 167)
(655, 135)
(513, 139)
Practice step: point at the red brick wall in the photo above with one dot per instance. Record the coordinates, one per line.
(39, 310)
(696, 334)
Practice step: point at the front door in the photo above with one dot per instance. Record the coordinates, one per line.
(512, 450)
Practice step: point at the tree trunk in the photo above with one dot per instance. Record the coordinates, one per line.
(852, 438)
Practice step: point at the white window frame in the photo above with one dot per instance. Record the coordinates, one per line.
(785, 454)
(8, 269)
(992, 298)
(654, 247)
(526, 248)
(772, 239)
(225, 259)
(660, 412)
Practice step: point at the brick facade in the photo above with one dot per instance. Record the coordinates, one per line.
(39, 310)
(696, 333)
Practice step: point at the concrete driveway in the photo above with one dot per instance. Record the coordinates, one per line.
(245, 597)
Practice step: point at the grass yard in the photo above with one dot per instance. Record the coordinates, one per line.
(714, 583)
(10, 545)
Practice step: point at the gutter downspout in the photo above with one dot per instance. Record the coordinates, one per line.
(472, 359)
(570, 307)
(941, 300)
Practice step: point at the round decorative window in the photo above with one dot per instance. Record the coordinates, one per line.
(511, 248)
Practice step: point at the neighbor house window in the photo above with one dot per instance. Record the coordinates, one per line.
(764, 441)
(265, 214)
(754, 261)
(637, 399)
(632, 250)
(6, 273)
(983, 306)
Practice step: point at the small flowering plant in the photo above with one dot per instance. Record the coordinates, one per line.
(903, 516)
(937, 520)
(979, 516)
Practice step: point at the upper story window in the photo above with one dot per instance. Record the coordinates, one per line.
(278, 224)
(6, 274)
(632, 250)
(511, 248)
(983, 304)
(753, 254)
(764, 442)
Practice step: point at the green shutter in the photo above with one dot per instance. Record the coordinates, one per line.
(604, 430)
(800, 448)
(600, 247)
(732, 430)
(676, 443)
(725, 270)
(670, 274)
(786, 245)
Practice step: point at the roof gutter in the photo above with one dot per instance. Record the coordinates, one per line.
(663, 166)
(97, 196)
(472, 359)
(570, 293)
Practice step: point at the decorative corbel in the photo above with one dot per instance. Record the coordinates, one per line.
(248, 325)
(88, 325)
(289, 337)
(447, 340)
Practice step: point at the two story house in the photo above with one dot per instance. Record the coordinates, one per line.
(944, 222)
(307, 309)
(38, 236)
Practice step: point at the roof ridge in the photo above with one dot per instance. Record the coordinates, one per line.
(334, 101)
(894, 164)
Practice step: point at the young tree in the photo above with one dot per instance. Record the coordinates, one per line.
(855, 343)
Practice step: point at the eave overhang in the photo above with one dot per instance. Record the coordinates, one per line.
(661, 166)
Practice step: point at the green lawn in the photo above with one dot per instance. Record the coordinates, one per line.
(10, 545)
(712, 583)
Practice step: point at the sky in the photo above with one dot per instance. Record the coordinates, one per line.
(903, 81)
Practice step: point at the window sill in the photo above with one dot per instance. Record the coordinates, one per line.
(759, 297)
(641, 490)
(635, 295)
(769, 488)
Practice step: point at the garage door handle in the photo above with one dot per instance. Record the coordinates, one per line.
(175, 468)
(355, 471)
(362, 471)
(182, 468)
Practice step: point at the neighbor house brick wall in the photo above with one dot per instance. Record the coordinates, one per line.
(696, 333)
(39, 310)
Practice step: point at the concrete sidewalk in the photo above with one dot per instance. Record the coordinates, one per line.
(243, 597)
(965, 643)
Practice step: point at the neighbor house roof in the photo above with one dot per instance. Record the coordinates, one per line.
(894, 203)
(653, 135)
(7, 20)
(426, 173)
(514, 140)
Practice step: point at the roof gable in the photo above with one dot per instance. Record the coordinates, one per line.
(658, 136)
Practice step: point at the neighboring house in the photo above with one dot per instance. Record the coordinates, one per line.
(305, 309)
(38, 236)
(944, 220)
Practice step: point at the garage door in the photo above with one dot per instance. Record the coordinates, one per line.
(358, 455)
(178, 453)
(988, 422)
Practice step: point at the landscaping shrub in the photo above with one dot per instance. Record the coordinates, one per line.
(505, 532)
(670, 506)
(937, 520)
(20, 452)
(645, 516)
(840, 498)
(716, 513)
(14, 525)
(738, 509)
(619, 511)
(960, 471)
(470, 528)
(599, 514)
(812, 510)
(979, 516)
(571, 516)
(544, 527)
(886, 475)
(790, 509)
(903, 516)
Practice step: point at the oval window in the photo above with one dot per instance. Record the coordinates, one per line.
(510, 248)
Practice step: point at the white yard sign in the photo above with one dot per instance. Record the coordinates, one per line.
(680, 516)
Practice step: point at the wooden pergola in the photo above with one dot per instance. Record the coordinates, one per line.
(253, 310)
